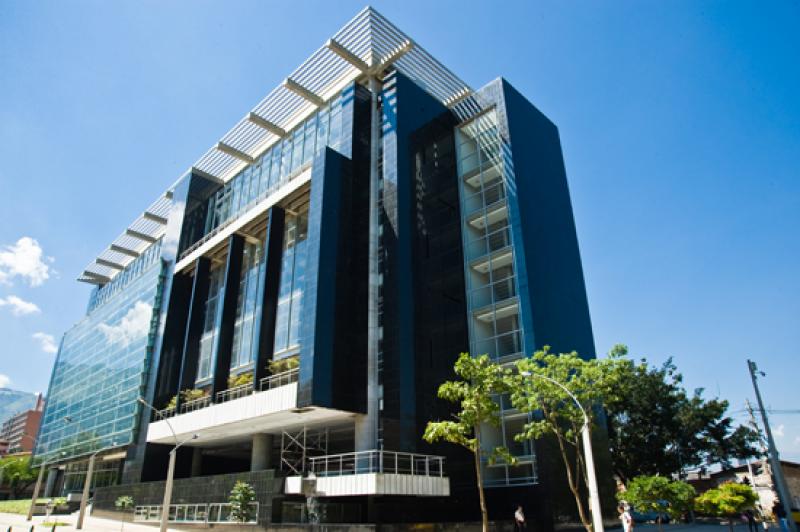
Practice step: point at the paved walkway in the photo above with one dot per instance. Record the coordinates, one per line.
(90, 524)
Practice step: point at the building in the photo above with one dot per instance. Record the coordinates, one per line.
(288, 307)
(19, 431)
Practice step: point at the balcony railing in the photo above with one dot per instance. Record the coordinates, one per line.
(235, 393)
(217, 512)
(279, 379)
(388, 462)
(195, 404)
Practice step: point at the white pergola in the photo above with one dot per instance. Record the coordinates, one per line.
(366, 46)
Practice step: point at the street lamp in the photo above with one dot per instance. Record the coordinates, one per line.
(38, 486)
(86, 485)
(594, 497)
(171, 469)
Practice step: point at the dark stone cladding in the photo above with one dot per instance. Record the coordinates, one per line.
(199, 490)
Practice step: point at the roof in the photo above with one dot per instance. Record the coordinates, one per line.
(367, 45)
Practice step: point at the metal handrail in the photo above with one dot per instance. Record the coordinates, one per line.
(376, 461)
(196, 404)
(279, 379)
(236, 392)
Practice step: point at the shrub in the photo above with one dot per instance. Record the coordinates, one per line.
(284, 364)
(240, 380)
(241, 497)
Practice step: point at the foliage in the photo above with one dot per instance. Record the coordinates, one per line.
(555, 413)
(656, 428)
(18, 474)
(19, 506)
(728, 500)
(283, 364)
(240, 380)
(51, 524)
(659, 494)
(186, 396)
(241, 498)
(480, 381)
(124, 502)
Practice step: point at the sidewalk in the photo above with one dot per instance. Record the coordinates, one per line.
(90, 524)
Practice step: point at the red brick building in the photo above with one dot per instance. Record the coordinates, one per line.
(20, 430)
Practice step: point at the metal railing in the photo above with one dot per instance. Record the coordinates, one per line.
(215, 512)
(279, 379)
(389, 462)
(236, 392)
(195, 404)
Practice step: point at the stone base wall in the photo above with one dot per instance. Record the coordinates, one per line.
(194, 490)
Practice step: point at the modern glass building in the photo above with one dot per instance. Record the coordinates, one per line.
(287, 309)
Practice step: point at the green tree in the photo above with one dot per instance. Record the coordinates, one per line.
(481, 381)
(18, 474)
(728, 500)
(124, 503)
(241, 498)
(554, 411)
(656, 428)
(659, 494)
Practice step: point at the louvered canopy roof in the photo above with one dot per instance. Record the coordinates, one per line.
(367, 45)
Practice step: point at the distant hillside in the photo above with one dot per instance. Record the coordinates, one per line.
(13, 402)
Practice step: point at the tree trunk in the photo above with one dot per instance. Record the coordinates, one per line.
(476, 451)
(730, 523)
(658, 520)
(573, 485)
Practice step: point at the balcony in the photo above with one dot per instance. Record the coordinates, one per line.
(373, 473)
(240, 412)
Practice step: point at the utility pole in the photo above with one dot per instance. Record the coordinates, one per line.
(777, 472)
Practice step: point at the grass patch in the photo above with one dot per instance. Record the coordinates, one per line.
(19, 506)
(51, 524)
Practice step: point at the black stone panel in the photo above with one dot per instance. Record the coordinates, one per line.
(268, 298)
(194, 327)
(226, 319)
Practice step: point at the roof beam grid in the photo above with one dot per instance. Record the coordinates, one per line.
(94, 278)
(347, 55)
(234, 152)
(124, 251)
(263, 123)
(395, 55)
(202, 173)
(109, 264)
(303, 92)
(141, 236)
(153, 217)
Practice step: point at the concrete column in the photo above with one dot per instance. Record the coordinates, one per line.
(197, 462)
(261, 455)
(50, 485)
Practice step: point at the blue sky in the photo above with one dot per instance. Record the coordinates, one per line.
(680, 125)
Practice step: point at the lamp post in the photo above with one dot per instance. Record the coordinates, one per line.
(87, 484)
(170, 469)
(38, 486)
(594, 496)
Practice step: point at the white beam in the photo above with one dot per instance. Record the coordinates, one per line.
(263, 123)
(234, 152)
(458, 97)
(110, 264)
(141, 236)
(153, 217)
(347, 55)
(303, 92)
(94, 278)
(395, 55)
(124, 251)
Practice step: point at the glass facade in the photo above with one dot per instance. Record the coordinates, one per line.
(205, 364)
(102, 366)
(248, 307)
(273, 168)
(492, 296)
(290, 291)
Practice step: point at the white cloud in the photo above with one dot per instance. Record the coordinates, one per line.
(4, 381)
(779, 431)
(46, 342)
(18, 306)
(133, 325)
(24, 259)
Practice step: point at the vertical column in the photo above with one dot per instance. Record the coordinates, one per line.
(268, 298)
(194, 327)
(226, 319)
(261, 455)
(50, 485)
(197, 461)
(366, 436)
